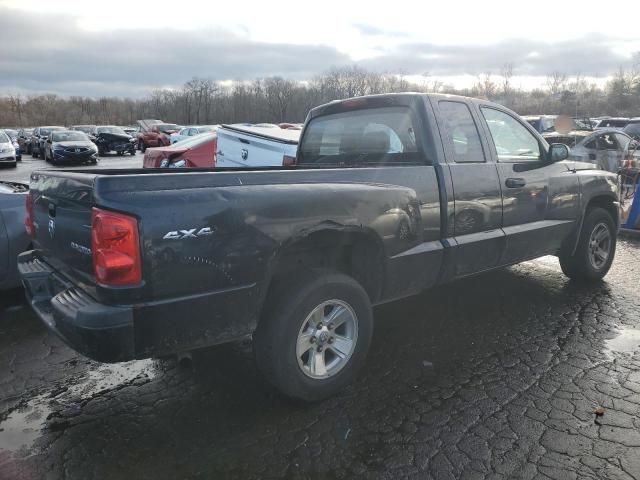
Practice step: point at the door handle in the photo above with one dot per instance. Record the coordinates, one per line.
(515, 182)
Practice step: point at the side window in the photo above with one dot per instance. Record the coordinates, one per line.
(514, 143)
(607, 142)
(623, 141)
(464, 138)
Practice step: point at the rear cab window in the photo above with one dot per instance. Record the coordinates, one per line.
(382, 136)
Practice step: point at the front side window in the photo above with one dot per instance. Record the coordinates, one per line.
(367, 137)
(513, 142)
(464, 138)
(607, 142)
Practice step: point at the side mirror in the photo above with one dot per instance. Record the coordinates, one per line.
(558, 152)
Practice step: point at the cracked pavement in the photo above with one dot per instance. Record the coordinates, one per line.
(513, 374)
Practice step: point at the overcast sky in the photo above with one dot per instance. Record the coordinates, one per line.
(127, 48)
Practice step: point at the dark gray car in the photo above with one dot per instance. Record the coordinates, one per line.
(13, 237)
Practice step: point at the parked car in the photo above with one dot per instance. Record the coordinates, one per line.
(13, 237)
(187, 132)
(194, 152)
(615, 123)
(542, 123)
(13, 136)
(131, 130)
(83, 128)
(70, 146)
(38, 137)
(7, 150)
(155, 133)
(256, 146)
(110, 138)
(607, 148)
(24, 137)
(296, 257)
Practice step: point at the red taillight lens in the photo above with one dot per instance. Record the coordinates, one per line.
(116, 248)
(28, 221)
(288, 161)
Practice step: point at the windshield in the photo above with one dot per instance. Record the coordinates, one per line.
(196, 140)
(371, 136)
(632, 129)
(69, 136)
(613, 123)
(4, 137)
(114, 130)
(44, 132)
(83, 128)
(163, 127)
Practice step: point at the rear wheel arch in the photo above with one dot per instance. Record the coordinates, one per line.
(357, 253)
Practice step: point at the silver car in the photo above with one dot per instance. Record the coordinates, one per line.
(7, 150)
(607, 148)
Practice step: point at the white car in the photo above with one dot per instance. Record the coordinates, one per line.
(7, 150)
(187, 132)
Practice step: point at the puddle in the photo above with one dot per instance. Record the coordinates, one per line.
(25, 424)
(628, 341)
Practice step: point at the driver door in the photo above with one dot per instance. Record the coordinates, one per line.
(540, 198)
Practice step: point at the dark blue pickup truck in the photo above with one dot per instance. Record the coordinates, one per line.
(389, 195)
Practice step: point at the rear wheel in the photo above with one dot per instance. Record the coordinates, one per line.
(596, 248)
(314, 335)
(34, 153)
(143, 147)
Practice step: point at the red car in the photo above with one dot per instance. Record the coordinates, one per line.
(155, 133)
(198, 151)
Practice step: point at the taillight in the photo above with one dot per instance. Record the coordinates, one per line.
(288, 161)
(116, 248)
(28, 221)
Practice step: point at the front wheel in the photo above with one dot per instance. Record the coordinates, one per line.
(596, 248)
(314, 335)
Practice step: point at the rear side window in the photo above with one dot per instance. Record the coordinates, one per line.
(368, 137)
(464, 138)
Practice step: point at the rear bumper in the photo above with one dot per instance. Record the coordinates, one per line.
(101, 332)
(117, 333)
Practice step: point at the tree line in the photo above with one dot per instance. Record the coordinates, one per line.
(276, 99)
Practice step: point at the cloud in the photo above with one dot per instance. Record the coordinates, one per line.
(44, 52)
(51, 53)
(372, 30)
(594, 55)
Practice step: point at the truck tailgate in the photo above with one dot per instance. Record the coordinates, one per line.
(250, 149)
(62, 221)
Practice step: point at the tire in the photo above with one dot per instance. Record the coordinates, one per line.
(120, 154)
(143, 147)
(28, 149)
(34, 153)
(286, 317)
(585, 265)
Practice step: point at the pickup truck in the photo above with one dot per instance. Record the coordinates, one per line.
(256, 146)
(389, 195)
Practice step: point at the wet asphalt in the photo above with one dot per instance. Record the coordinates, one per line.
(517, 373)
